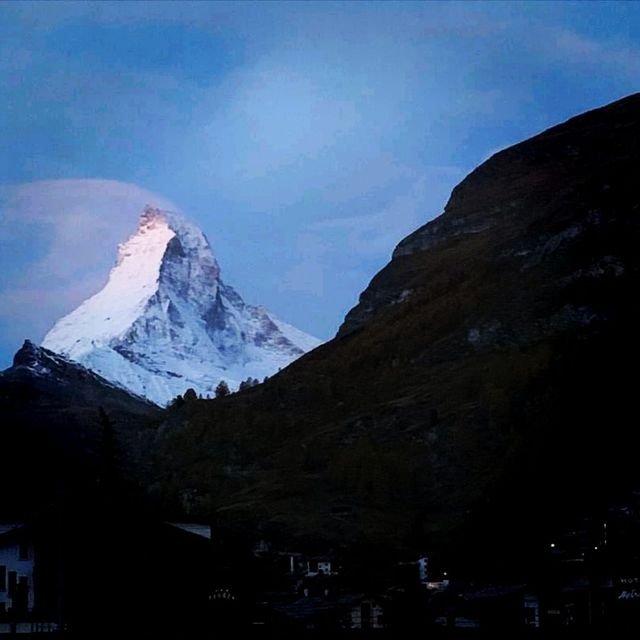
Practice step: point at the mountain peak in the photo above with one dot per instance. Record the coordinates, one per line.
(165, 320)
(154, 217)
(150, 215)
(39, 360)
(26, 355)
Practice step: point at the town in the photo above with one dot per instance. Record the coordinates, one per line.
(100, 571)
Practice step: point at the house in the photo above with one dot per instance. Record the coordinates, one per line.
(196, 528)
(96, 572)
(22, 606)
(410, 572)
(329, 614)
(366, 614)
(320, 566)
(16, 570)
(531, 604)
(423, 564)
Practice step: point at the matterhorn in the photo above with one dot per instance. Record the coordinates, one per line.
(166, 322)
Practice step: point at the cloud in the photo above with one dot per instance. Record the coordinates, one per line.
(309, 275)
(567, 49)
(347, 243)
(29, 312)
(35, 15)
(307, 118)
(578, 49)
(58, 241)
(375, 232)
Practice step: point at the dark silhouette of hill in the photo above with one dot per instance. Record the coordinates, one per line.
(58, 420)
(482, 389)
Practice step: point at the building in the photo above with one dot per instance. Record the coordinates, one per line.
(329, 614)
(22, 599)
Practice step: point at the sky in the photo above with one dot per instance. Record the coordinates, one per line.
(306, 139)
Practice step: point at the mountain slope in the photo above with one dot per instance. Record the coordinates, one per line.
(52, 426)
(165, 321)
(478, 392)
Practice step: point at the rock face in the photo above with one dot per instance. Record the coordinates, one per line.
(52, 374)
(536, 198)
(165, 321)
(479, 391)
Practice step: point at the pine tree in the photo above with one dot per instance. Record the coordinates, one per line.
(178, 401)
(222, 389)
(190, 395)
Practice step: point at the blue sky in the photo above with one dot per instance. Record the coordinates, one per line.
(305, 138)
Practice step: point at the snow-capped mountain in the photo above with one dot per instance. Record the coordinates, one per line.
(165, 321)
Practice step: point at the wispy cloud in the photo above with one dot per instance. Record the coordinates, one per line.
(376, 232)
(368, 236)
(64, 234)
(572, 47)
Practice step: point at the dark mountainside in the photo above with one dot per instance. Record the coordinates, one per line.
(481, 391)
(57, 419)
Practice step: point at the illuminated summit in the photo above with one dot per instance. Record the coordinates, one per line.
(165, 321)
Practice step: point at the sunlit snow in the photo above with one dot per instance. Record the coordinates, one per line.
(165, 321)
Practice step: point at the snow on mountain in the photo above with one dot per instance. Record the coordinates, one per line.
(165, 321)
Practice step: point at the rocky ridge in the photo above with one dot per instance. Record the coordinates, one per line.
(477, 393)
(165, 321)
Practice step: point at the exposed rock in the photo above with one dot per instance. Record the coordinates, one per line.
(165, 321)
(532, 198)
